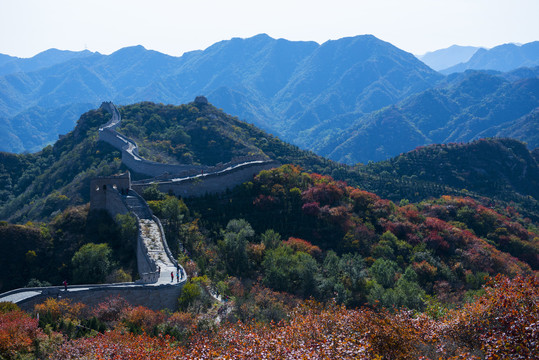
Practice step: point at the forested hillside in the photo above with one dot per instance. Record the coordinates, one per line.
(367, 261)
(37, 186)
(487, 166)
(471, 106)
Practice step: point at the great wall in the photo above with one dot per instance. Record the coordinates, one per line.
(119, 195)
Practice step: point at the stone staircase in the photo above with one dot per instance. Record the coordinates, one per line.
(153, 239)
(152, 290)
(137, 205)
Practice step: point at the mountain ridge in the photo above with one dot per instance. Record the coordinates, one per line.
(474, 105)
(445, 58)
(308, 94)
(252, 68)
(504, 57)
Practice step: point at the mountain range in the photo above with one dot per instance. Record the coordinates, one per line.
(472, 106)
(504, 57)
(445, 58)
(306, 93)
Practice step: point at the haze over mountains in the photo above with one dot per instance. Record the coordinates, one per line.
(504, 57)
(306, 93)
(473, 106)
(445, 58)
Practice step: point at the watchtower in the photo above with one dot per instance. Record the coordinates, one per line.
(104, 190)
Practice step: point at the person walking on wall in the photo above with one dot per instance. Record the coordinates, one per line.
(65, 285)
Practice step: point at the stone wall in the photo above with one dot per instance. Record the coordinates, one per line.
(153, 297)
(132, 159)
(129, 149)
(113, 138)
(105, 194)
(145, 266)
(138, 164)
(210, 183)
(153, 169)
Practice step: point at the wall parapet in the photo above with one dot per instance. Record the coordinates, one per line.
(207, 183)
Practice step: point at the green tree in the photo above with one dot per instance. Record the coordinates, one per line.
(340, 278)
(271, 239)
(92, 263)
(194, 296)
(285, 270)
(127, 225)
(152, 193)
(234, 245)
(383, 271)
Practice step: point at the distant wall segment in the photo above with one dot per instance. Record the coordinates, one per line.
(129, 149)
(132, 159)
(212, 183)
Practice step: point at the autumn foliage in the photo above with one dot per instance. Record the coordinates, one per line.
(18, 331)
(502, 324)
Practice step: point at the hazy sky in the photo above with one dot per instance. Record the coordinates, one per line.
(175, 26)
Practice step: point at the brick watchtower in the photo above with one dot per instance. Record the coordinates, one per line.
(104, 191)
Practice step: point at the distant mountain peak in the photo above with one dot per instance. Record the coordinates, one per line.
(445, 58)
(130, 50)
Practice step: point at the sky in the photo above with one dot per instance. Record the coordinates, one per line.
(28, 27)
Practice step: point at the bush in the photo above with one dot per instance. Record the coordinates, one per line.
(7, 306)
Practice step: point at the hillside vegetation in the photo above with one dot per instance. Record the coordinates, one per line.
(435, 244)
(36, 186)
(367, 260)
(491, 167)
(495, 326)
(42, 254)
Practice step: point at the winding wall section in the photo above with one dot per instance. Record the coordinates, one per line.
(154, 259)
(132, 159)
